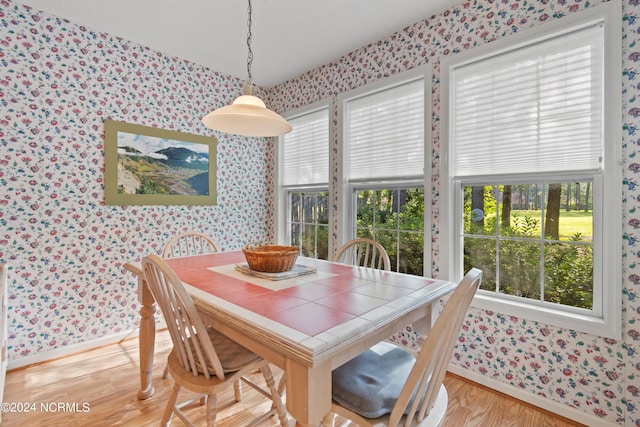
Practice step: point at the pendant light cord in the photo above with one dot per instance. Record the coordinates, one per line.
(250, 55)
(247, 115)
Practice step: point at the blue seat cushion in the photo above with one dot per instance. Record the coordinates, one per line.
(370, 383)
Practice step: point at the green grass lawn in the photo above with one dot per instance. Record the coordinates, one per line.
(571, 222)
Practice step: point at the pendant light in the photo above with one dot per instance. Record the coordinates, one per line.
(248, 115)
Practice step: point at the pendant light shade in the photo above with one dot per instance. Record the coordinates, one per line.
(247, 115)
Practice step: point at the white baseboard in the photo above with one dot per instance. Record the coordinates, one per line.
(532, 399)
(68, 350)
(46, 356)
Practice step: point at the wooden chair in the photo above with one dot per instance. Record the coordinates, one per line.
(192, 243)
(189, 243)
(363, 252)
(202, 359)
(377, 388)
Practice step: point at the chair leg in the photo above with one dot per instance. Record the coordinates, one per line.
(165, 373)
(237, 390)
(168, 411)
(211, 410)
(282, 384)
(329, 420)
(281, 387)
(275, 395)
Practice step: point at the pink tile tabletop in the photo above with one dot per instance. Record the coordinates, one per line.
(310, 304)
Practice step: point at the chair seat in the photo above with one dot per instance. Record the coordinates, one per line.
(436, 415)
(370, 384)
(232, 355)
(199, 383)
(387, 386)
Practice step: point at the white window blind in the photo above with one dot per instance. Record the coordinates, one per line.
(532, 110)
(385, 133)
(305, 158)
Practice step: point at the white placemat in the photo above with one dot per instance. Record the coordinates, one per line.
(274, 285)
(297, 270)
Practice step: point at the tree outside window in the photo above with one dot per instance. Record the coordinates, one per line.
(532, 240)
(395, 219)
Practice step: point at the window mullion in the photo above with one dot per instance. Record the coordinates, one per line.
(497, 234)
(543, 233)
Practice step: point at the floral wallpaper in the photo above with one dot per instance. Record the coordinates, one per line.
(65, 248)
(594, 375)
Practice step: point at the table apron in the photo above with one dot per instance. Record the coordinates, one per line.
(277, 350)
(247, 338)
(353, 347)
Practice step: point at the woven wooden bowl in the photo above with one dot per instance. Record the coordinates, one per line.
(270, 258)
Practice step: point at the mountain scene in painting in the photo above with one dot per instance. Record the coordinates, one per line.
(172, 168)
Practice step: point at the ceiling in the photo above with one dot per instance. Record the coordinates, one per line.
(289, 37)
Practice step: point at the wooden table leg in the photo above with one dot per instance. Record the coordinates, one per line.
(146, 340)
(308, 392)
(423, 326)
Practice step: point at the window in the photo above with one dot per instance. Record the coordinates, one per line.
(533, 141)
(304, 182)
(383, 151)
(394, 217)
(308, 223)
(533, 241)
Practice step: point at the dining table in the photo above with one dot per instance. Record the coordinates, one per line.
(306, 321)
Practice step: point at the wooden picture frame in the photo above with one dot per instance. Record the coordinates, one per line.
(151, 166)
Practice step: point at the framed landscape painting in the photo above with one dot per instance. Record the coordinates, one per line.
(151, 166)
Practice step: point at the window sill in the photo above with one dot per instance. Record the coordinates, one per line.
(607, 328)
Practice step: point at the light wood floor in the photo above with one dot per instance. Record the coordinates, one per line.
(98, 388)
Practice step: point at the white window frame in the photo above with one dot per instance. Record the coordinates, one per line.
(606, 321)
(282, 232)
(346, 203)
